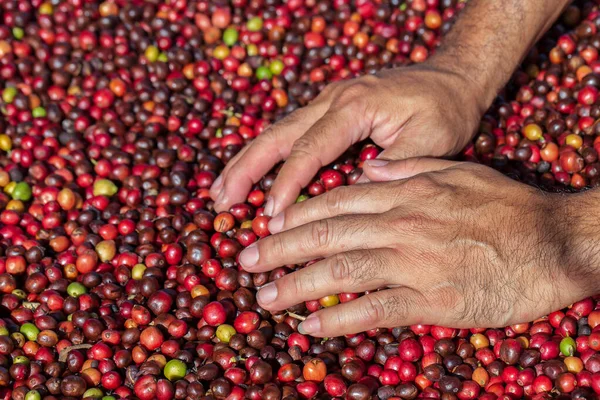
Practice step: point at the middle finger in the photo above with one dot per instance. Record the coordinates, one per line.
(318, 239)
(350, 272)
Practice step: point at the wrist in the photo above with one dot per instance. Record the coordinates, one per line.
(476, 90)
(466, 91)
(578, 223)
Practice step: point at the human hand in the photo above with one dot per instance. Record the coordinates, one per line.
(451, 244)
(423, 110)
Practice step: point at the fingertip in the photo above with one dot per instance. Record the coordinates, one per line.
(311, 326)
(249, 257)
(276, 224)
(267, 295)
(222, 203)
(219, 207)
(269, 206)
(216, 187)
(375, 171)
(282, 200)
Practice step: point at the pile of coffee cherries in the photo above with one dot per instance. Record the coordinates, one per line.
(545, 129)
(117, 278)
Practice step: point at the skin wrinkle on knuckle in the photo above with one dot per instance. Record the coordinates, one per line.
(352, 269)
(386, 193)
(421, 184)
(352, 97)
(393, 192)
(369, 266)
(454, 302)
(295, 216)
(399, 305)
(341, 269)
(320, 234)
(446, 294)
(305, 148)
(375, 312)
(416, 223)
(336, 201)
(409, 223)
(392, 224)
(329, 90)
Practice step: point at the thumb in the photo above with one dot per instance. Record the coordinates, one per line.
(379, 170)
(398, 153)
(400, 150)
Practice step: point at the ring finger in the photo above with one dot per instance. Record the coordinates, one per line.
(350, 272)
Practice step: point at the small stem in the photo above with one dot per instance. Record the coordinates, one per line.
(294, 315)
(31, 305)
(62, 357)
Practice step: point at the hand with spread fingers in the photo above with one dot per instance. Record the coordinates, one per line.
(429, 109)
(431, 241)
(446, 243)
(401, 110)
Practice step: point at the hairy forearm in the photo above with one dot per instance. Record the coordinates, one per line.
(491, 37)
(579, 222)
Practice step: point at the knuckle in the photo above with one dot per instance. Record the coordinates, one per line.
(321, 234)
(340, 268)
(275, 130)
(336, 200)
(375, 311)
(303, 147)
(268, 134)
(370, 80)
(412, 223)
(398, 308)
(447, 296)
(353, 95)
(415, 222)
(329, 89)
(422, 184)
(425, 180)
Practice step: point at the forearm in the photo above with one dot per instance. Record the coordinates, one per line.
(491, 37)
(579, 222)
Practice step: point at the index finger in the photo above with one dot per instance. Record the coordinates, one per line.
(259, 157)
(326, 140)
(318, 239)
(386, 308)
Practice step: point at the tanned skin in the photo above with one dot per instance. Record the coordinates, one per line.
(454, 244)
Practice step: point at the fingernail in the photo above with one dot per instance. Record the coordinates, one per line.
(269, 207)
(310, 325)
(217, 183)
(267, 294)
(276, 224)
(220, 197)
(376, 163)
(363, 179)
(249, 256)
